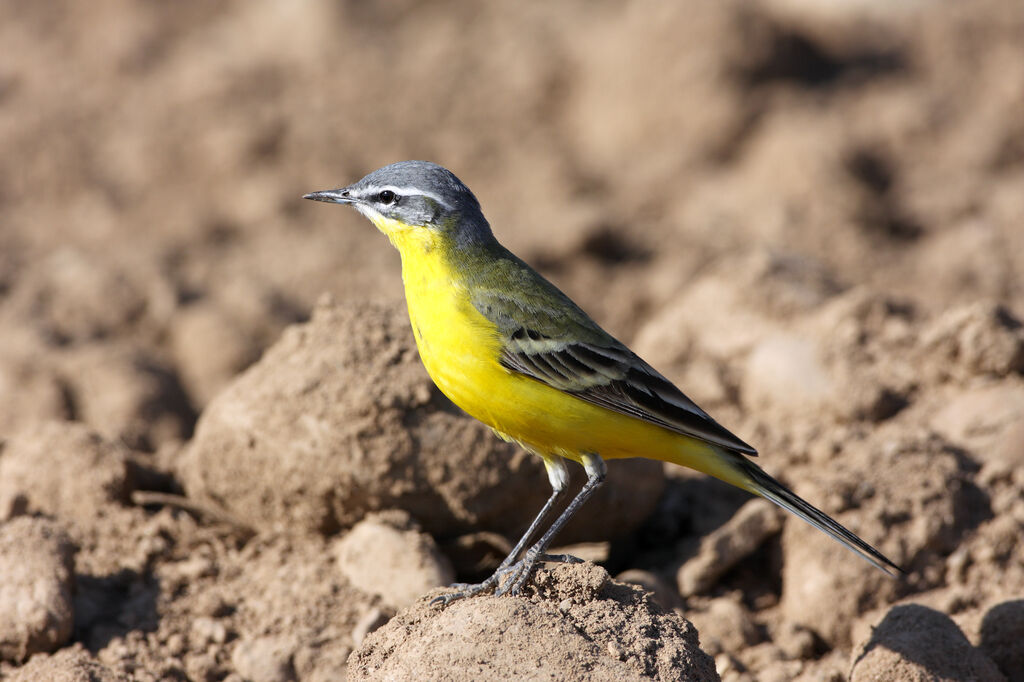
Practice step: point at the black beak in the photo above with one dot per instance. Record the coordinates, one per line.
(332, 196)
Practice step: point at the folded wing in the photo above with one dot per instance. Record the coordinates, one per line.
(610, 375)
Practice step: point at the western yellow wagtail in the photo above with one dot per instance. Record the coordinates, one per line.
(513, 351)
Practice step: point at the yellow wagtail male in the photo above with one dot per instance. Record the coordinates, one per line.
(509, 348)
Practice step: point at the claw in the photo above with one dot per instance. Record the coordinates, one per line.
(446, 599)
(463, 590)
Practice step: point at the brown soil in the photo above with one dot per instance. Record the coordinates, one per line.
(810, 218)
(573, 622)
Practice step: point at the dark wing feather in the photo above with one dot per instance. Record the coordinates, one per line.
(614, 378)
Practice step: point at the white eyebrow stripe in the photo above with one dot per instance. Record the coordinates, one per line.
(406, 191)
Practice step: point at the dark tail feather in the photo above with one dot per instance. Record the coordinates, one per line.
(767, 487)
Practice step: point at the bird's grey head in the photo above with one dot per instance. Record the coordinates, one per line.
(417, 194)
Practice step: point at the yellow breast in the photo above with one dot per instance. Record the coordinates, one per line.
(458, 346)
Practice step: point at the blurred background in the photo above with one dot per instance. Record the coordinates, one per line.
(808, 214)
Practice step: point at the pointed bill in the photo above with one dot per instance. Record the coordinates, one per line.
(331, 196)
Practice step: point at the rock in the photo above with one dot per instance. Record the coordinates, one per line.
(607, 631)
(264, 659)
(726, 546)
(36, 612)
(339, 419)
(64, 469)
(72, 664)
(387, 555)
(914, 642)
(1001, 638)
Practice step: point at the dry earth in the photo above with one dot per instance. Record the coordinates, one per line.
(221, 459)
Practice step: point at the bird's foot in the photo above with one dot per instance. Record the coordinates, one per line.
(519, 573)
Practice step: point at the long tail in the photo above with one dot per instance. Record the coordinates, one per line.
(767, 487)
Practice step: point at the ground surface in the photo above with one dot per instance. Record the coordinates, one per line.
(811, 219)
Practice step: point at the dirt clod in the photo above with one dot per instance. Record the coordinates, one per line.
(914, 642)
(725, 625)
(71, 664)
(264, 659)
(496, 637)
(63, 469)
(725, 547)
(387, 555)
(1002, 630)
(36, 613)
(928, 518)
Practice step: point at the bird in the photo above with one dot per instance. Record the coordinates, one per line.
(513, 351)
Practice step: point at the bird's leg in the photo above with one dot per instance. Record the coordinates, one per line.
(523, 569)
(467, 589)
(558, 475)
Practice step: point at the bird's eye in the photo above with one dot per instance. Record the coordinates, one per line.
(387, 197)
